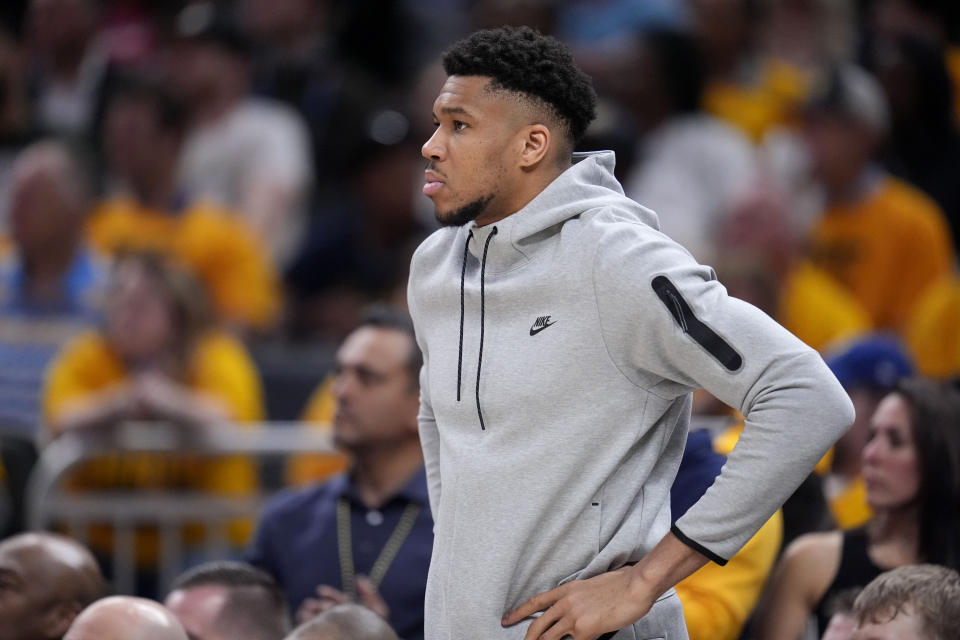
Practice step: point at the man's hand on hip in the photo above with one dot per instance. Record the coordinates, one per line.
(585, 609)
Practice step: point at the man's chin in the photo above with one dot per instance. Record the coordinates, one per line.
(464, 214)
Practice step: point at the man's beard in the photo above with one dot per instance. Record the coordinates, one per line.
(466, 213)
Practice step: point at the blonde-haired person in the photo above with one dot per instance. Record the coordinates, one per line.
(917, 601)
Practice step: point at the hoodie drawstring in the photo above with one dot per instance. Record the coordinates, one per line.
(463, 275)
(483, 269)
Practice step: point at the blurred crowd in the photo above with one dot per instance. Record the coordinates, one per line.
(200, 202)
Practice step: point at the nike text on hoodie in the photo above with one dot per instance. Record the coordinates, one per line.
(561, 346)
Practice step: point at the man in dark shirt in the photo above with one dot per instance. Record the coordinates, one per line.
(366, 535)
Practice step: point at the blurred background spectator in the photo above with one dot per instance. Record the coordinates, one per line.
(49, 280)
(869, 368)
(880, 238)
(911, 466)
(687, 165)
(124, 617)
(47, 580)
(69, 69)
(143, 138)
(365, 535)
(228, 601)
(248, 153)
(342, 622)
(920, 600)
(156, 358)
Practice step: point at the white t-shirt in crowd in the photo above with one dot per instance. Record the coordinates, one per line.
(690, 171)
(259, 141)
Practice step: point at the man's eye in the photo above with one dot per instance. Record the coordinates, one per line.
(459, 126)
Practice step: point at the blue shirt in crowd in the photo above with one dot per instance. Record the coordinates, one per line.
(32, 332)
(296, 542)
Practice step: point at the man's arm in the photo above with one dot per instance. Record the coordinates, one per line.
(670, 327)
(429, 441)
(429, 436)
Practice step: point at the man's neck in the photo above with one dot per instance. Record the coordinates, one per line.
(529, 190)
(380, 473)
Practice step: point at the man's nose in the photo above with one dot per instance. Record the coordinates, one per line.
(433, 149)
(341, 387)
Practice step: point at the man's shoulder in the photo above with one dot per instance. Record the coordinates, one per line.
(619, 233)
(432, 251)
(437, 242)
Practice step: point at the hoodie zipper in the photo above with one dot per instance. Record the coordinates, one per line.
(463, 275)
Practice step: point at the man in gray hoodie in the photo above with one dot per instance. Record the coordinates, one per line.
(562, 337)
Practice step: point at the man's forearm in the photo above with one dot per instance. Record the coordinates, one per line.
(667, 564)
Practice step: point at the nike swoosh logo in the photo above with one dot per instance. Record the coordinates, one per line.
(534, 332)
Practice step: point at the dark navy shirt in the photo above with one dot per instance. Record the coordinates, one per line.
(296, 542)
(699, 467)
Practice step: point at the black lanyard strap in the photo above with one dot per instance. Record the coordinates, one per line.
(387, 555)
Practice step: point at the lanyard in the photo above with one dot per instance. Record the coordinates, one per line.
(387, 555)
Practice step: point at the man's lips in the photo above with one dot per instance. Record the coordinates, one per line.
(432, 183)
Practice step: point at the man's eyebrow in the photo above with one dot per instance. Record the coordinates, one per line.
(454, 111)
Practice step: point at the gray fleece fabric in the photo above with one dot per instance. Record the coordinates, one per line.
(555, 405)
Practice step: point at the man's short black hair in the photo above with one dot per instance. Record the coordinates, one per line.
(255, 606)
(520, 59)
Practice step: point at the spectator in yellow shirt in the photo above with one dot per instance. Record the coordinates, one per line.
(155, 359)
(144, 135)
(880, 238)
(933, 332)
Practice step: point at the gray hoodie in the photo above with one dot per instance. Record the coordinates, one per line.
(561, 346)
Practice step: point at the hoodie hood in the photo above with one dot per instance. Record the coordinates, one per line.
(588, 184)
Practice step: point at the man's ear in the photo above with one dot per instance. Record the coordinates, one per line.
(536, 143)
(57, 619)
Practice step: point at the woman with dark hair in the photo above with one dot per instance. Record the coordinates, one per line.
(911, 465)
